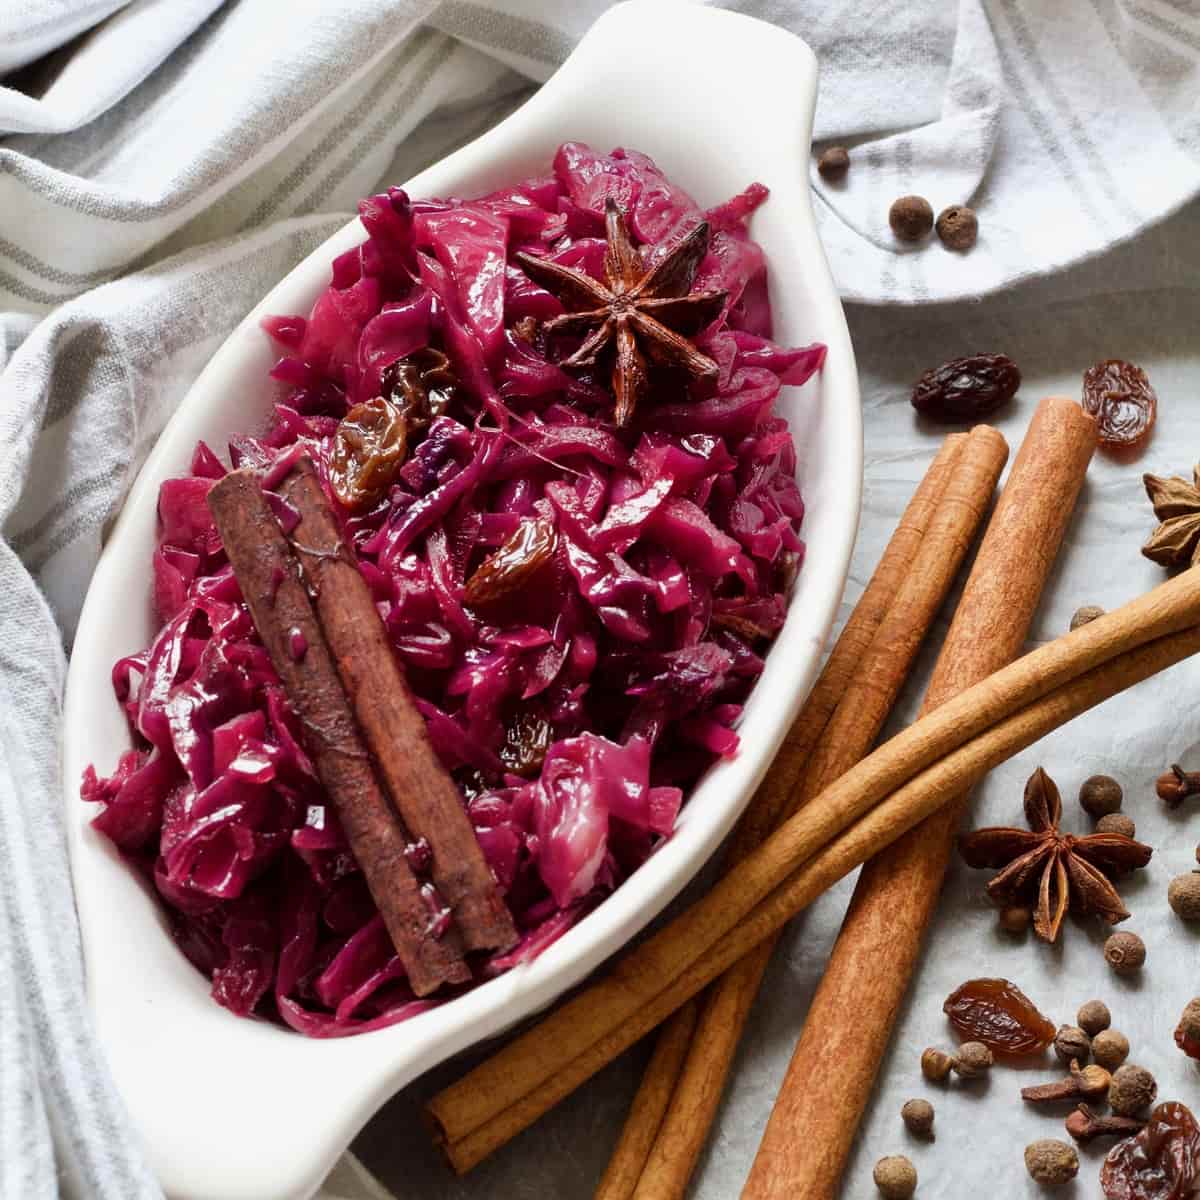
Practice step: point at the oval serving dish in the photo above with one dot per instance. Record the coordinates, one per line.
(234, 1109)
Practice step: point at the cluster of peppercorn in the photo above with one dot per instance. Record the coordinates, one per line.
(911, 217)
(1002, 1020)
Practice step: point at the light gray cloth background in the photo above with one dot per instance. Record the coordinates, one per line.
(163, 162)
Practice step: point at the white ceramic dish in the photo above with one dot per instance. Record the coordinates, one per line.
(241, 1110)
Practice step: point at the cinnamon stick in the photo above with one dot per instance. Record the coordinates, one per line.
(772, 801)
(952, 520)
(646, 1113)
(420, 787)
(773, 798)
(486, 1127)
(520, 1080)
(828, 1083)
(270, 581)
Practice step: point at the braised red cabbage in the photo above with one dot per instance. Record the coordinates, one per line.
(676, 546)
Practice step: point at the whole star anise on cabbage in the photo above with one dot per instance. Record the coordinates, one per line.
(640, 314)
(1051, 871)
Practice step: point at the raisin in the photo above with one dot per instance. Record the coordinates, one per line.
(526, 740)
(965, 389)
(1160, 1163)
(422, 385)
(998, 1014)
(512, 566)
(368, 450)
(472, 783)
(1120, 397)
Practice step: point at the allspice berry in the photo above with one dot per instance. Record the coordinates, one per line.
(936, 1065)
(958, 227)
(834, 163)
(1051, 1162)
(1072, 1043)
(1117, 823)
(917, 1116)
(1110, 1048)
(911, 218)
(1089, 612)
(1015, 918)
(1183, 894)
(895, 1177)
(1132, 1090)
(1125, 953)
(1187, 1032)
(1099, 796)
(1093, 1018)
(973, 1060)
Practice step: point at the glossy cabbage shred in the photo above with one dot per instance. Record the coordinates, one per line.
(677, 544)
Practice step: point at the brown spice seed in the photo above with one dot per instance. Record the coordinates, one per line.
(936, 1065)
(1085, 615)
(1117, 823)
(1110, 1048)
(1125, 953)
(1051, 1162)
(958, 227)
(895, 1177)
(1100, 795)
(1187, 1032)
(834, 163)
(911, 218)
(1093, 1017)
(973, 1060)
(1071, 1043)
(1183, 894)
(1132, 1089)
(917, 1115)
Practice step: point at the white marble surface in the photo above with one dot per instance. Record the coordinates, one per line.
(1140, 302)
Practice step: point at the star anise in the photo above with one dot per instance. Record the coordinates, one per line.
(1176, 541)
(647, 314)
(1052, 871)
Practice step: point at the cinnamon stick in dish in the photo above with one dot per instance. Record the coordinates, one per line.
(832, 1072)
(505, 1095)
(948, 750)
(425, 796)
(948, 520)
(269, 577)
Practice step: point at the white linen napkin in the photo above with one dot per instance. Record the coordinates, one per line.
(163, 162)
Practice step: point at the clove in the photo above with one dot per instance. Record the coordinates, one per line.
(1176, 785)
(1084, 1125)
(1090, 1083)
